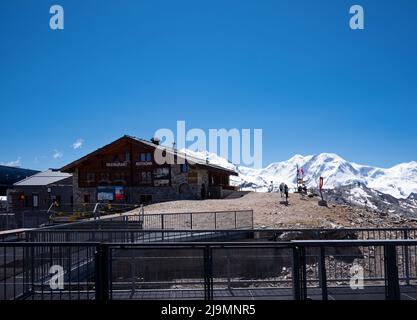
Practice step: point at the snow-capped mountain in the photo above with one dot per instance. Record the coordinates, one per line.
(399, 181)
(362, 196)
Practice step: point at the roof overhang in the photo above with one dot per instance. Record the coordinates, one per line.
(129, 139)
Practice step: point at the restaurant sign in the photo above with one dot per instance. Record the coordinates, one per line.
(117, 164)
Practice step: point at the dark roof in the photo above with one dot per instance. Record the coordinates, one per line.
(194, 160)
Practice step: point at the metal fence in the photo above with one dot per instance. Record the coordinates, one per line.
(135, 236)
(216, 220)
(26, 271)
(104, 233)
(355, 269)
(23, 219)
(210, 270)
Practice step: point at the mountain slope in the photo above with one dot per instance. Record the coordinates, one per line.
(399, 181)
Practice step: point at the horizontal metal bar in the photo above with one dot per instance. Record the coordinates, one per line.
(302, 243)
(50, 244)
(222, 230)
(354, 243)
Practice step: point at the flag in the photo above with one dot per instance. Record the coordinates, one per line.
(321, 183)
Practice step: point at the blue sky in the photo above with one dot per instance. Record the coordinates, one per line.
(293, 68)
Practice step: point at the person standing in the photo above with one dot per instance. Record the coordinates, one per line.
(286, 193)
(281, 189)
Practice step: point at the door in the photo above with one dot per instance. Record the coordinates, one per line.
(35, 201)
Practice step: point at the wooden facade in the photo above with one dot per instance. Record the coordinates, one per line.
(127, 169)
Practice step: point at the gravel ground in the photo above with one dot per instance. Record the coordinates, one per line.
(269, 211)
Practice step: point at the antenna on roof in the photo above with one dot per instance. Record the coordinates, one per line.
(155, 140)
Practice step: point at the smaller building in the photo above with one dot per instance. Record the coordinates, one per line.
(39, 191)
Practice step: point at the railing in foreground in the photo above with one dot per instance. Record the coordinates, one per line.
(344, 269)
(132, 235)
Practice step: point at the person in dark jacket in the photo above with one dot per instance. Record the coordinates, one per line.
(286, 193)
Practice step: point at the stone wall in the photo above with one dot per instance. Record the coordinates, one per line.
(159, 194)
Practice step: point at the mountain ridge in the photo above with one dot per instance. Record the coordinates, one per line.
(399, 181)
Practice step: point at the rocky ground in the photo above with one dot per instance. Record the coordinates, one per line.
(269, 211)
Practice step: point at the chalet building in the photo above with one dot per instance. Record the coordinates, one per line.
(125, 171)
(40, 190)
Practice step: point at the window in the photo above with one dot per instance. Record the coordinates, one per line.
(104, 177)
(145, 199)
(161, 173)
(145, 177)
(184, 168)
(145, 157)
(27, 201)
(58, 199)
(193, 178)
(35, 201)
(161, 177)
(161, 182)
(91, 177)
(119, 177)
(86, 198)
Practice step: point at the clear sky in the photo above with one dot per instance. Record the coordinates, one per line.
(292, 67)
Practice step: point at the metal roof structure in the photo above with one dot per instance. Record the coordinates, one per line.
(44, 178)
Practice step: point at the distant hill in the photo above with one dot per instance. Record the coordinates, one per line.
(11, 175)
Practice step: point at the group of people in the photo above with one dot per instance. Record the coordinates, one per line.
(284, 190)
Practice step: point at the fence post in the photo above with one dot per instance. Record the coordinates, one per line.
(191, 220)
(235, 220)
(299, 274)
(208, 273)
(162, 227)
(215, 221)
(102, 273)
(296, 276)
(32, 270)
(323, 275)
(392, 285)
(252, 220)
(407, 259)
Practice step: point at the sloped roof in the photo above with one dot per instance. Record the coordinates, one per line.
(191, 159)
(44, 178)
